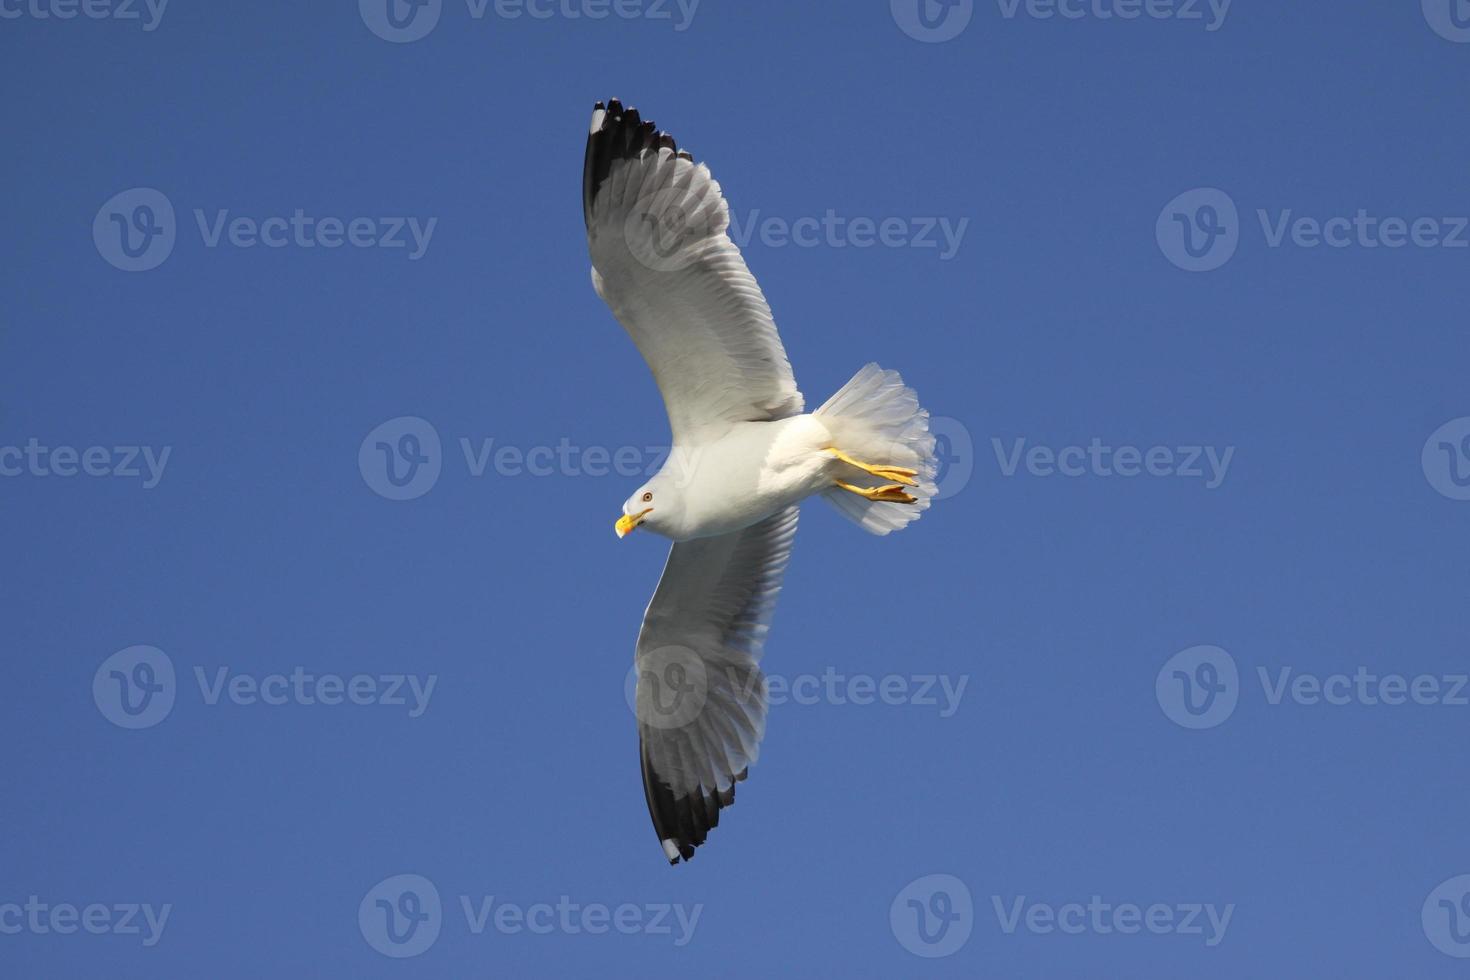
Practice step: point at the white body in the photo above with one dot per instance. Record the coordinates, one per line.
(750, 473)
(746, 472)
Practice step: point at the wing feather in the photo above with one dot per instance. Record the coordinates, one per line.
(700, 696)
(664, 263)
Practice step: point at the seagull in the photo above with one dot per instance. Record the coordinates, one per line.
(744, 455)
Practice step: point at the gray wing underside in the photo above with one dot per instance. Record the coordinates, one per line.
(664, 263)
(700, 697)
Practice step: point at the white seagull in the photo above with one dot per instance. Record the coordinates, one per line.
(744, 457)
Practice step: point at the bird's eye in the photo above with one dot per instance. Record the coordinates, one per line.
(647, 497)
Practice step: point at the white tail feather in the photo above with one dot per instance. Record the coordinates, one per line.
(876, 418)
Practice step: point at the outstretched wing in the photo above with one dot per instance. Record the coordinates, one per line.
(700, 699)
(661, 259)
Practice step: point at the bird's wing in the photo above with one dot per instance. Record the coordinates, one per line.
(661, 259)
(700, 698)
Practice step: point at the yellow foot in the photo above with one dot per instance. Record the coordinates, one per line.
(899, 474)
(892, 493)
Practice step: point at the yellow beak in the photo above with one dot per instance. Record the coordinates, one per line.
(627, 522)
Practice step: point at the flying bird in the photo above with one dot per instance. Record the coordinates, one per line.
(745, 454)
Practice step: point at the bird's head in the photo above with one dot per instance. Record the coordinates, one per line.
(654, 506)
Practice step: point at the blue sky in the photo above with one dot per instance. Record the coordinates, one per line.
(1171, 253)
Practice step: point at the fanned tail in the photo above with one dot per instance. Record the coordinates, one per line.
(877, 418)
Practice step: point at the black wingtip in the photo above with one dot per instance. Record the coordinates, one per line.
(682, 823)
(617, 133)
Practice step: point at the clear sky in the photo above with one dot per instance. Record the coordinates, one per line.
(1079, 238)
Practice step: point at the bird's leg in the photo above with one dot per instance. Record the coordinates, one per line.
(899, 474)
(892, 493)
